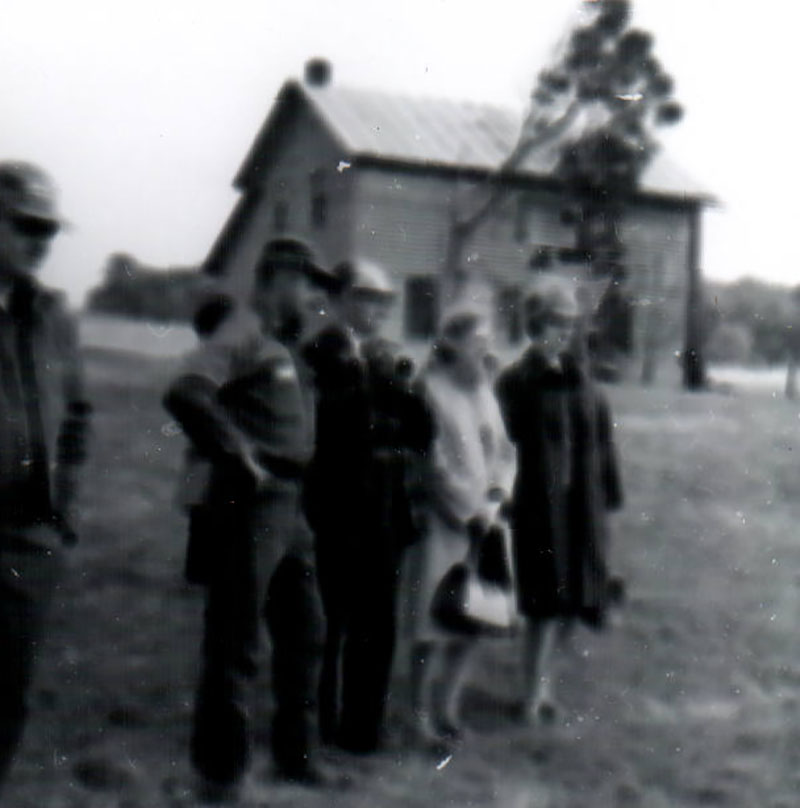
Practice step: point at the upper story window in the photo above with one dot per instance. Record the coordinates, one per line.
(280, 215)
(318, 201)
(421, 306)
(509, 313)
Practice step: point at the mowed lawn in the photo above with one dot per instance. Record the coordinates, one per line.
(690, 698)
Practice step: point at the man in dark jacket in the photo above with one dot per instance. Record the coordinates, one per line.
(371, 425)
(249, 413)
(42, 431)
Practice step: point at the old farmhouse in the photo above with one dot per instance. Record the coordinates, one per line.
(366, 173)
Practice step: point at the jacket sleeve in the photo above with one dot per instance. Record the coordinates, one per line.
(416, 417)
(192, 401)
(73, 431)
(612, 481)
(508, 402)
(453, 491)
(503, 468)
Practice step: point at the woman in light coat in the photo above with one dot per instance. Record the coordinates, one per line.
(472, 468)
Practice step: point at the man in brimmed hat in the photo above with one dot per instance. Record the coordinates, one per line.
(250, 413)
(28, 219)
(370, 425)
(42, 433)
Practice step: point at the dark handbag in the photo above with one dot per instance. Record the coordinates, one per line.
(493, 566)
(477, 598)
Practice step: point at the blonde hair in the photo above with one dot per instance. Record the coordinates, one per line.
(553, 294)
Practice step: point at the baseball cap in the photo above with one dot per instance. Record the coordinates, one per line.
(366, 277)
(288, 253)
(26, 190)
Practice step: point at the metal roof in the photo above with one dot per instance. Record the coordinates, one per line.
(435, 132)
(456, 134)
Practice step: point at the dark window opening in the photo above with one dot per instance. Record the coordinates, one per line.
(541, 259)
(509, 313)
(421, 307)
(521, 220)
(281, 216)
(319, 211)
(318, 200)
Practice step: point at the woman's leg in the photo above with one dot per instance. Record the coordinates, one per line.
(455, 672)
(566, 633)
(424, 659)
(539, 644)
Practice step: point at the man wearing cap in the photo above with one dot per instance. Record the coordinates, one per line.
(370, 426)
(43, 417)
(251, 415)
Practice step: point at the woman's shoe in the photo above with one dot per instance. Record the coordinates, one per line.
(449, 729)
(541, 712)
(425, 731)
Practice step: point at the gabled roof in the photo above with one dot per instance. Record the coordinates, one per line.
(439, 132)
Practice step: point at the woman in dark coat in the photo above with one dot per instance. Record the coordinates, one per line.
(567, 480)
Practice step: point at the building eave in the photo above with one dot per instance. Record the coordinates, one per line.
(515, 179)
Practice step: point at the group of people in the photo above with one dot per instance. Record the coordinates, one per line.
(344, 483)
(330, 484)
(312, 432)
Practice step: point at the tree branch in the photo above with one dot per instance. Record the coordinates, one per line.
(524, 147)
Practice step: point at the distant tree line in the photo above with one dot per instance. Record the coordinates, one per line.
(751, 322)
(747, 321)
(131, 290)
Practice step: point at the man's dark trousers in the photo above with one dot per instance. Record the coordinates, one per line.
(264, 571)
(30, 566)
(359, 575)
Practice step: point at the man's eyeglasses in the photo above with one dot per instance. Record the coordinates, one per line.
(34, 227)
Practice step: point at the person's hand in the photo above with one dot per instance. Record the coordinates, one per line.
(63, 524)
(254, 469)
(478, 524)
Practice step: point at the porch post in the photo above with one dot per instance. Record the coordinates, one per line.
(694, 371)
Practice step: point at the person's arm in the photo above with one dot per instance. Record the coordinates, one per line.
(73, 432)
(609, 466)
(508, 402)
(502, 461)
(192, 401)
(454, 495)
(419, 429)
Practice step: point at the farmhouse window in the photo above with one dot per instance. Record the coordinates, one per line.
(421, 313)
(521, 220)
(509, 313)
(281, 216)
(319, 199)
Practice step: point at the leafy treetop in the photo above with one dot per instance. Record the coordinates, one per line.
(604, 94)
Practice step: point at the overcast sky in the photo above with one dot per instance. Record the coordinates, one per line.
(142, 111)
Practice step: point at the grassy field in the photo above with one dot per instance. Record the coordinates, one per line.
(691, 698)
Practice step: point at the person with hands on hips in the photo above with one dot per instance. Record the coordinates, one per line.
(248, 410)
